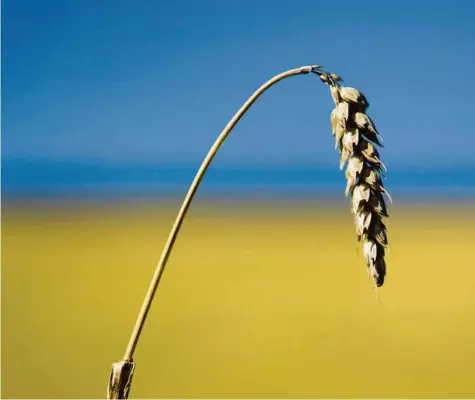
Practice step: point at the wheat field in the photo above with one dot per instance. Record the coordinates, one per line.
(257, 301)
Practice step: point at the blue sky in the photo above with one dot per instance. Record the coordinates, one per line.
(154, 82)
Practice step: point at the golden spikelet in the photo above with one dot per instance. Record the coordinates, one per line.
(356, 138)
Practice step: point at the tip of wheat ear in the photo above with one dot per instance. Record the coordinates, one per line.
(356, 138)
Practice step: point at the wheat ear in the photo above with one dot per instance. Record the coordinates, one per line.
(355, 138)
(367, 188)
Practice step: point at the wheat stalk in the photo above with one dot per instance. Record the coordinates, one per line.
(355, 134)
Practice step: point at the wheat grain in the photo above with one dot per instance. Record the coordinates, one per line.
(355, 138)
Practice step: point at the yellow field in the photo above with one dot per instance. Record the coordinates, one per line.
(255, 302)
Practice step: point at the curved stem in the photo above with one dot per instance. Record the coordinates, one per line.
(189, 197)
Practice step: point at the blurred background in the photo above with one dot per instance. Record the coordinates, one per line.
(108, 110)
